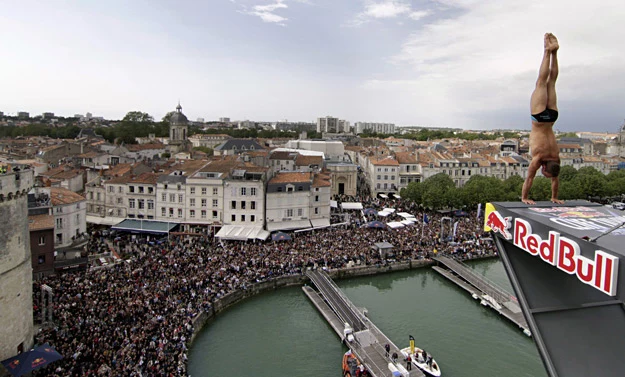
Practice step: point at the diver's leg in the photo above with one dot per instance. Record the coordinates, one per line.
(552, 98)
(539, 98)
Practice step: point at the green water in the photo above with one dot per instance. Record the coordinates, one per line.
(281, 333)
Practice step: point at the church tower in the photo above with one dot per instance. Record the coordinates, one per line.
(178, 131)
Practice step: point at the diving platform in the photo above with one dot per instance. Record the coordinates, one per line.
(368, 341)
(489, 294)
(564, 264)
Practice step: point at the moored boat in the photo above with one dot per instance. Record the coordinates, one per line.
(422, 360)
(352, 367)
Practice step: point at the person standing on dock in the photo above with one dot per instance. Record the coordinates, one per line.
(394, 357)
(408, 362)
(387, 348)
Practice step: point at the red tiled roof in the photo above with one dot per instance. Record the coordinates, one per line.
(61, 196)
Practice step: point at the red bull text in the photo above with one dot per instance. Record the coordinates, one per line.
(564, 253)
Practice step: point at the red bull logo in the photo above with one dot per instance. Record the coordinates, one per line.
(14, 364)
(38, 361)
(564, 253)
(499, 224)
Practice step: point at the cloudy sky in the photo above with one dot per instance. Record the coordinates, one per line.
(451, 63)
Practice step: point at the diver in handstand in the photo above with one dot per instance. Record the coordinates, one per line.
(544, 109)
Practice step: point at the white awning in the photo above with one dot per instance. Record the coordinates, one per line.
(391, 210)
(241, 233)
(383, 213)
(351, 205)
(405, 215)
(384, 196)
(334, 204)
(288, 225)
(320, 223)
(104, 220)
(395, 224)
(408, 222)
(397, 196)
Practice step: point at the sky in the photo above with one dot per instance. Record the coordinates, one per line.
(468, 64)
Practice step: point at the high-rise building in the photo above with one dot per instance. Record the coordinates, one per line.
(16, 306)
(380, 128)
(23, 115)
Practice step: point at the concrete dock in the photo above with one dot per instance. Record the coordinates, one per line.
(478, 286)
(369, 341)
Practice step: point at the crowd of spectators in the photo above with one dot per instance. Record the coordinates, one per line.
(135, 318)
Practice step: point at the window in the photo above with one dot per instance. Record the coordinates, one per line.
(289, 212)
(131, 203)
(280, 189)
(165, 186)
(386, 177)
(150, 190)
(41, 259)
(386, 185)
(163, 211)
(59, 238)
(243, 218)
(192, 202)
(203, 190)
(179, 186)
(180, 198)
(131, 188)
(120, 189)
(164, 197)
(300, 212)
(379, 177)
(120, 201)
(150, 204)
(316, 210)
(42, 240)
(379, 170)
(98, 196)
(172, 198)
(243, 205)
(386, 170)
(214, 214)
(300, 188)
(203, 202)
(192, 191)
(140, 189)
(233, 205)
(234, 217)
(316, 198)
(379, 185)
(392, 177)
(203, 214)
(243, 191)
(252, 205)
(252, 218)
(171, 212)
(192, 213)
(215, 191)
(141, 203)
(392, 170)
(289, 188)
(215, 203)
(253, 191)
(119, 213)
(179, 212)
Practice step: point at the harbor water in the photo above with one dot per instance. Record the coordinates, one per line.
(280, 333)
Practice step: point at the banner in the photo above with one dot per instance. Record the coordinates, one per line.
(455, 228)
(479, 210)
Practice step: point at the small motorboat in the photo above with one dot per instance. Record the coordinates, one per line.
(421, 359)
(351, 365)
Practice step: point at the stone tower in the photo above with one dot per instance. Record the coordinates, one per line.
(16, 278)
(178, 131)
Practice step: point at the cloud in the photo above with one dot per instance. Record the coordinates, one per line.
(267, 13)
(486, 56)
(385, 10)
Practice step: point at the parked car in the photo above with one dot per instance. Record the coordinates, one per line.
(618, 205)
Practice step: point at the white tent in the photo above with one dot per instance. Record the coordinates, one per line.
(391, 210)
(407, 222)
(383, 213)
(405, 215)
(395, 224)
(334, 204)
(384, 196)
(351, 206)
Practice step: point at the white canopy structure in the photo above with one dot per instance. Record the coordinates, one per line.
(395, 224)
(383, 213)
(384, 196)
(334, 204)
(351, 206)
(407, 222)
(405, 215)
(242, 233)
(391, 210)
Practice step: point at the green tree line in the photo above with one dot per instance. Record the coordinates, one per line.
(440, 192)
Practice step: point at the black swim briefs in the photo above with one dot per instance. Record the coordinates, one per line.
(547, 116)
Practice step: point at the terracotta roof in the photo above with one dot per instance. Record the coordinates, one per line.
(118, 170)
(89, 155)
(308, 160)
(387, 161)
(283, 155)
(296, 177)
(574, 146)
(322, 180)
(145, 178)
(406, 158)
(65, 174)
(40, 222)
(62, 196)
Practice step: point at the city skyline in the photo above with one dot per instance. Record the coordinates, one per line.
(445, 63)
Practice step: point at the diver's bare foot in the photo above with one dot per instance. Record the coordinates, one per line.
(557, 201)
(547, 42)
(553, 41)
(528, 201)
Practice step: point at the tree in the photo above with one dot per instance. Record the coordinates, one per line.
(167, 117)
(567, 173)
(206, 150)
(482, 189)
(512, 187)
(541, 189)
(138, 117)
(439, 192)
